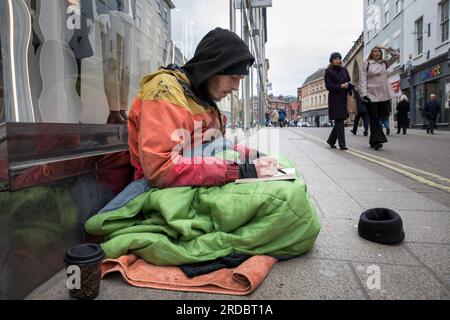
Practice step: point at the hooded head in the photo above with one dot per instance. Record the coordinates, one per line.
(220, 55)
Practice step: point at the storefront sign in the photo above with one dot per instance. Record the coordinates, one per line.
(431, 73)
(396, 86)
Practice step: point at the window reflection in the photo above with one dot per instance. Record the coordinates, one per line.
(82, 59)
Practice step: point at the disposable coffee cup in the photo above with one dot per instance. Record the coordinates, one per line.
(83, 268)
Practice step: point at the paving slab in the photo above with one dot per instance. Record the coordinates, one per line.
(336, 204)
(375, 185)
(400, 283)
(434, 256)
(431, 227)
(306, 279)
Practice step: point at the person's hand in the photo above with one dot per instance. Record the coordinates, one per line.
(366, 99)
(105, 22)
(344, 85)
(266, 167)
(90, 25)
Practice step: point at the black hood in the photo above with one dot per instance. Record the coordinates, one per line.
(217, 51)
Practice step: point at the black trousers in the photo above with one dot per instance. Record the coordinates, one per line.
(402, 121)
(376, 110)
(338, 133)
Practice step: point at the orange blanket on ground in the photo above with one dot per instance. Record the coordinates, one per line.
(241, 280)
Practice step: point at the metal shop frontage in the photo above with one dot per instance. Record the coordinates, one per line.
(316, 116)
(418, 83)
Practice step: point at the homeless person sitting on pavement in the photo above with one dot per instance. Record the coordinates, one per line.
(183, 207)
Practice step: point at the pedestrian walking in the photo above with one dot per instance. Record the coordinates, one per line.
(274, 118)
(402, 114)
(281, 117)
(337, 82)
(384, 122)
(432, 109)
(376, 91)
(267, 118)
(361, 113)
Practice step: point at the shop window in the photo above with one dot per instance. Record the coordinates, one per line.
(79, 65)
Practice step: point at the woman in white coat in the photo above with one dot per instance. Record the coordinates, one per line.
(376, 91)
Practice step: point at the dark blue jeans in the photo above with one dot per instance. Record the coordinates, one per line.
(431, 124)
(365, 117)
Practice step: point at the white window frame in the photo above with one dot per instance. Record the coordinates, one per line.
(166, 15)
(444, 21)
(158, 6)
(419, 35)
(138, 16)
(149, 25)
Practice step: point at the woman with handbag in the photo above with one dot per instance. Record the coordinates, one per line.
(337, 82)
(376, 91)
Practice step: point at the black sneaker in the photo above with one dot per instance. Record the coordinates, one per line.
(343, 148)
(332, 146)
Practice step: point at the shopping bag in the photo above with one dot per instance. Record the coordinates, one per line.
(351, 104)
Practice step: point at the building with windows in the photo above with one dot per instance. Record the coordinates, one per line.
(314, 99)
(354, 59)
(427, 56)
(419, 30)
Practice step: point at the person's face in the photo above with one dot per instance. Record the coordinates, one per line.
(337, 62)
(220, 85)
(433, 97)
(376, 53)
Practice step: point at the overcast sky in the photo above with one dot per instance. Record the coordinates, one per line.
(301, 33)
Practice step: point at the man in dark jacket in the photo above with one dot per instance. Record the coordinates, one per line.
(431, 110)
(281, 117)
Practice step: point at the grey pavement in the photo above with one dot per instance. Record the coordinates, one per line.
(341, 265)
